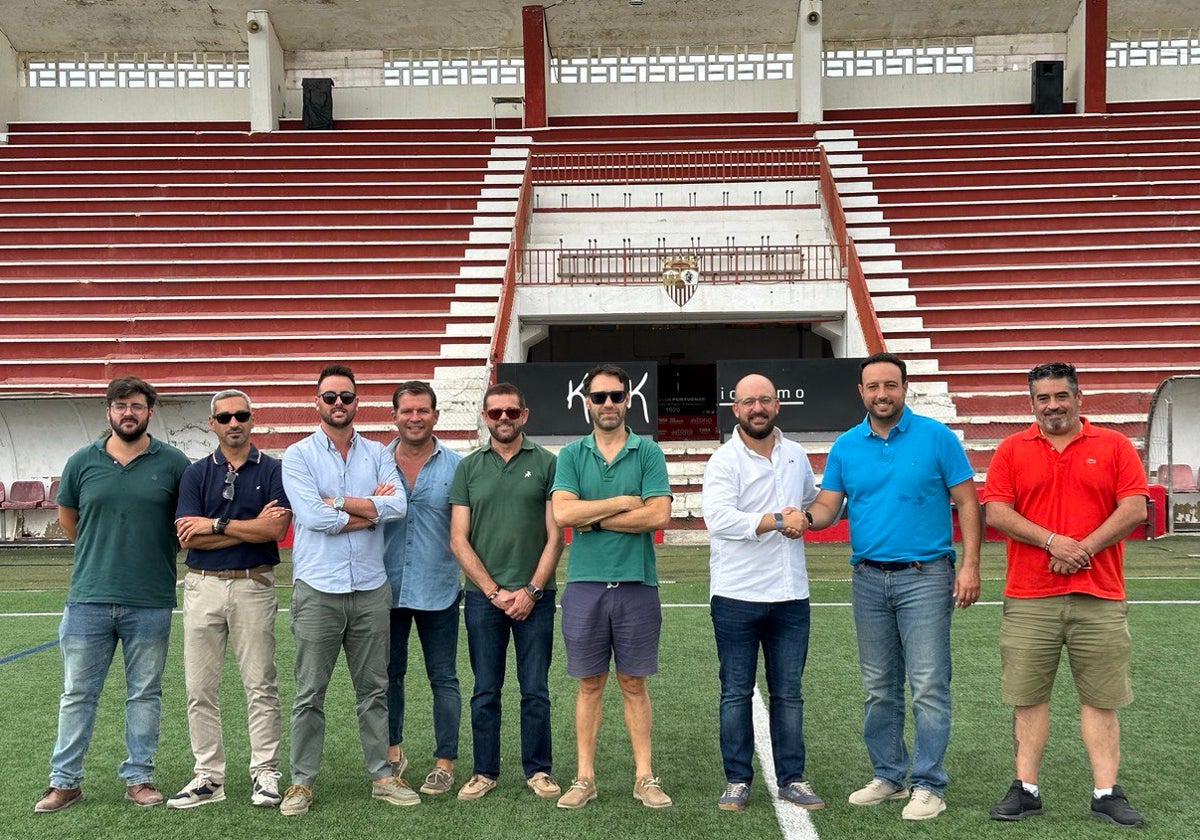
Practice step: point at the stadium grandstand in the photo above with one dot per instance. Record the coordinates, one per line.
(217, 194)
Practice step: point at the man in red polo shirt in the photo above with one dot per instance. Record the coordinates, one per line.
(1065, 493)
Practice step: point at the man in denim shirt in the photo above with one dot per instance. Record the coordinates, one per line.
(424, 578)
(341, 487)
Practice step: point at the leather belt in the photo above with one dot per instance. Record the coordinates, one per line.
(892, 567)
(257, 574)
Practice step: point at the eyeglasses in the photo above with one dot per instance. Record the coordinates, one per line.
(132, 408)
(767, 401)
(330, 397)
(225, 416)
(601, 397)
(230, 478)
(510, 413)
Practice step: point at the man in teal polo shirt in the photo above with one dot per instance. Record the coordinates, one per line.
(506, 541)
(612, 489)
(117, 503)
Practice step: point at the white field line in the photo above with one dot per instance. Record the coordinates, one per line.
(795, 822)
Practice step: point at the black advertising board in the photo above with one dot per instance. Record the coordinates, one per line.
(815, 395)
(558, 405)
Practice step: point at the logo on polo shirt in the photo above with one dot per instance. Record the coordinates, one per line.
(529, 473)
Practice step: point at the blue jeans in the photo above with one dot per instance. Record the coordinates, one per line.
(438, 632)
(781, 629)
(88, 636)
(903, 624)
(488, 630)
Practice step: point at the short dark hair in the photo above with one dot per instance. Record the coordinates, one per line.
(125, 386)
(415, 387)
(336, 370)
(1055, 370)
(508, 388)
(890, 358)
(606, 369)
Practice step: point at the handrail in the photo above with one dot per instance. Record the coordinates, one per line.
(508, 289)
(867, 319)
(679, 165)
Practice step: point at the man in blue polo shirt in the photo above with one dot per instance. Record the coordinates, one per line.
(612, 488)
(232, 513)
(899, 471)
(116, 503)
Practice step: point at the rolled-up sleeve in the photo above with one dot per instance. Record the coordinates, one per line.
(308, 501)
(390, 508)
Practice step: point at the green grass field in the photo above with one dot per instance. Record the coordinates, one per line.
(1159, 732)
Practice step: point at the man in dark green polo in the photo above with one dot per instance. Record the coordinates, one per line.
(505, 539)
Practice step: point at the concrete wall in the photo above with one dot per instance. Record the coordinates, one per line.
(701, 97)
(132, 105)
(9, 66)
(1000, 87)
(1142, 84)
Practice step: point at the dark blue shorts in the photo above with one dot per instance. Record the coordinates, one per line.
(621, 620)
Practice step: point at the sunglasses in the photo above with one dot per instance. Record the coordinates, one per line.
(600, 397)
(497, 413)
(230, 478)
(330, 397)
(225, 416)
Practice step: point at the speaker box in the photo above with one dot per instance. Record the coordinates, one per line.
(1047, 87)
(318, 104)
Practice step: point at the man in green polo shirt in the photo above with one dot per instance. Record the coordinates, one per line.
(117, 503)
(506, 541)
(612, 489)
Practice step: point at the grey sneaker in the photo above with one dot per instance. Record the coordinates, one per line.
(394, 791)
(648, 790)
(438, 781)
(735, 797)
(199, 791)
(924, 805)
(877, 791)
(580, 793)
(296, 801)
(266, 789)
(801, 793)
(476, 787)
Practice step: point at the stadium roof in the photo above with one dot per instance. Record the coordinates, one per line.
(219, 25)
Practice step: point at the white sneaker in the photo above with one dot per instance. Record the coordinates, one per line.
(877, 791)
(266, 789)
(924, 805)
(199, 791)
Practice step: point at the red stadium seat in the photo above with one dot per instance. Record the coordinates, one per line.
(23, 496)
(1181, 478)
(51, 497)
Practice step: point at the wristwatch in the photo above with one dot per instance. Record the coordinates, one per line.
(339, 503)
(534, 592)
(808, 516)
(779, 522)
(219, 525)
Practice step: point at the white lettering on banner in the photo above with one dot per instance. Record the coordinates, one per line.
(574, 391)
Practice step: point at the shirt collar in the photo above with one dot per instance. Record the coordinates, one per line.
(902, 424)
(154, 446)
(633, 441)
(218, 457)
(776, 437)
(1034, 432)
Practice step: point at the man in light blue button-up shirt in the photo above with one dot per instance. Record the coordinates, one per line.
(342, 487)
(424, 575)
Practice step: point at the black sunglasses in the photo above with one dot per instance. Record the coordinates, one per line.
(330, 397)
(600, 397)
(225, 416)
(497, 413)
(230, 478)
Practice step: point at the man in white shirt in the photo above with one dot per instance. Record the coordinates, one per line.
(755, 489)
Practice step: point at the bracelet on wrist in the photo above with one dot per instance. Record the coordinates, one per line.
(495, 592)
(1049, 540)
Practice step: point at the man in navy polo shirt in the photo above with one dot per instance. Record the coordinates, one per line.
(232, 513)
(899, 472)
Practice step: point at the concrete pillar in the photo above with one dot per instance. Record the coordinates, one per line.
(807, 67)
(10, 68)
(266, 72)
(1087, 47)
(537, 64)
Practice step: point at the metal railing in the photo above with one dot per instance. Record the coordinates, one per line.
(641, 266)
(647, 167)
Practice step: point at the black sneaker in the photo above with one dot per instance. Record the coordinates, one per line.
(1017, 804)
(1116, 809)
